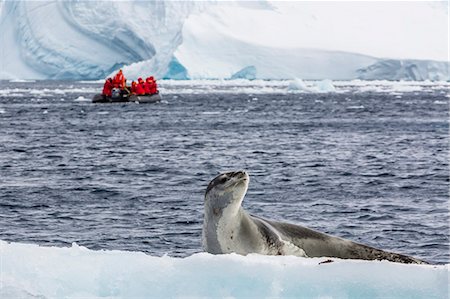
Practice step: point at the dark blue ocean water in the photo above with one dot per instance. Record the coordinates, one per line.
(370, 166)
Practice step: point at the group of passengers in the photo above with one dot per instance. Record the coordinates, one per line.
(118, 86)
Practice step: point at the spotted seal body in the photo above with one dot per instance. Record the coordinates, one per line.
(227, 228)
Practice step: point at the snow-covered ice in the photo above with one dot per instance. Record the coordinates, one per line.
(31, 271)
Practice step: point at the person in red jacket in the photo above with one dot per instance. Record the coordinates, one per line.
(115, 80)
(153, 86)
(140, 90)
(148, 86)
(107, 87)
(119, 80)
(133, 87)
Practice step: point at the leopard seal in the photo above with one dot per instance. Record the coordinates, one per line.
(228, 228)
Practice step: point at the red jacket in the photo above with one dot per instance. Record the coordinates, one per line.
(147, 87)
(140, 89)
(154, 87)
(107, 88)
(150, 86)
(119, 79)
(133, 87)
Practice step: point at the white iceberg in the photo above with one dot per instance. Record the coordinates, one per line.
(224, 39)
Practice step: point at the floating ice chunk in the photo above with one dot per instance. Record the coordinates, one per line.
(356, 107)
(299, 84)
(325, 86)
(211, 112)
(82, 99)
(31, 271)
(319, 86)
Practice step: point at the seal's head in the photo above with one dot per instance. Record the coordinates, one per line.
(225, 190)
(223, 200)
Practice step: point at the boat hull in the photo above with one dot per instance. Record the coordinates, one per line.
(141, 99)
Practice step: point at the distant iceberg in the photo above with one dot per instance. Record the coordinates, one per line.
(87, 40)
(31, 271)
(409, 70)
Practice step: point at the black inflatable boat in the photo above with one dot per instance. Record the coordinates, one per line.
(141, 99)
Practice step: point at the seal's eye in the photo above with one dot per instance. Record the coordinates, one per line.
(223, 180)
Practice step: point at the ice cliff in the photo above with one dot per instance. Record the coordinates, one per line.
(209, 39)
(88, 39)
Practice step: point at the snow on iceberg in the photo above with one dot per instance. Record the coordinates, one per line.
(209, 51)
(31, 271)
(286, 40)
